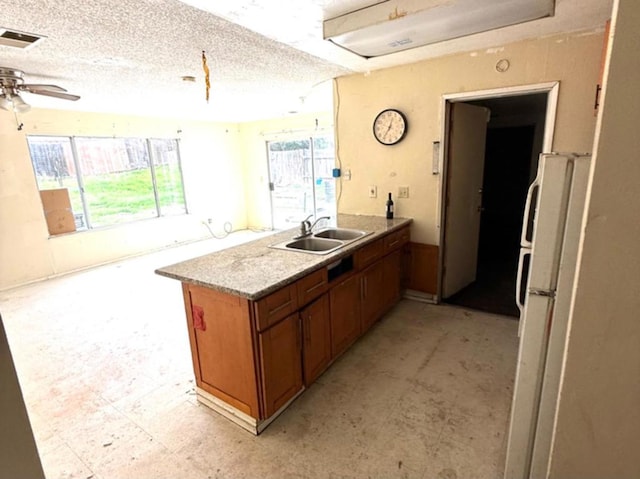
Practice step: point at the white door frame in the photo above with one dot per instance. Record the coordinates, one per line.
(551, 88)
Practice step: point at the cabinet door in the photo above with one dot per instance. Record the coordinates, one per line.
(375, 293)
(345, 314)
(281, 363)
(316, 329)
(221, 346)
(392, 265)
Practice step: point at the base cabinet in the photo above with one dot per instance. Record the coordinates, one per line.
(374, 295)
(316, 333)
(251, 358)
(222, 347)
(392, 271)
(281, 363)
(345, 314)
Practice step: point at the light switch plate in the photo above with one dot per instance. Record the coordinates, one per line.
(373, 191)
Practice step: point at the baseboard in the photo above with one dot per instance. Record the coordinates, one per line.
(243, 420)
(420, 296)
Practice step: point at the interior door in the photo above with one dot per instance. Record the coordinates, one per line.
(467, 134)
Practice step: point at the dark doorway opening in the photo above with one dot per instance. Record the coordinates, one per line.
(513, 143)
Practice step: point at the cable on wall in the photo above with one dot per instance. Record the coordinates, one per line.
(228, 229)
(337, 141)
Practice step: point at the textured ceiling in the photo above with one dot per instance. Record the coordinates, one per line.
(130, 56)
(267, 57)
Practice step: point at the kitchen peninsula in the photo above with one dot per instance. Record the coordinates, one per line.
(264, 323)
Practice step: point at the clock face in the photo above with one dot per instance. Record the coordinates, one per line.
(389, 127)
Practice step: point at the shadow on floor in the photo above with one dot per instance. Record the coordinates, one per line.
(494, 288)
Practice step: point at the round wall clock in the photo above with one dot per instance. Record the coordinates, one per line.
(389, 127)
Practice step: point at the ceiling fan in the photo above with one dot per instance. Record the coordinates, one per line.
(12, 84)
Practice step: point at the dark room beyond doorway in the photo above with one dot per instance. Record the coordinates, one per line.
(506, 179)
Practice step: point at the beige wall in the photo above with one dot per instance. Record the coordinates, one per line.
(254, 136)
(213, 178)
(598, 424)
(417, 90)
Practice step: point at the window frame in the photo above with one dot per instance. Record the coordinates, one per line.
(79, 176)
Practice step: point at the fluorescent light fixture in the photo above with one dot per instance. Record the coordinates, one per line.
(397, 25)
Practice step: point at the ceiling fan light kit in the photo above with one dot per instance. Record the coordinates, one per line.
(12, 84)
(13, 102)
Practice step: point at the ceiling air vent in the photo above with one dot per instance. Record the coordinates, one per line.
(15, 39)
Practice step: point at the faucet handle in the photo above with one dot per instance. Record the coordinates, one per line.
(305, 226)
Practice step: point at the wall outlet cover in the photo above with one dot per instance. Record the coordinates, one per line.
(403, 192)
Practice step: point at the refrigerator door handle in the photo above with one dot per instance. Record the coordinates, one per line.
(527, 211)
(519, 302)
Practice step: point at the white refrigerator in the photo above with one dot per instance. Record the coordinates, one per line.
(546, 272)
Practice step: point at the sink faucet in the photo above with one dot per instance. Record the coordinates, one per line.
(306, 227)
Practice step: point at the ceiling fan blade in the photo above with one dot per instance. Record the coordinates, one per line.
(31, 87)
(55, 94)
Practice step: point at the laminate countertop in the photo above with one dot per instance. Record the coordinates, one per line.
(253, 270)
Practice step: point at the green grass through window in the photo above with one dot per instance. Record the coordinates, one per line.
(125, 196)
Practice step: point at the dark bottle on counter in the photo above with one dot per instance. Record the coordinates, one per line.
(389, 208)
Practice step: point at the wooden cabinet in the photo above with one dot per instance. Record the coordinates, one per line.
(396, 240)
(251, 358)
(276, 306)
(369, 253)
(222, 347)
(392, 268)
(316, 333)
(381, 284)
(344, 308)
(281, 363)
(373, 297)
(312, 286)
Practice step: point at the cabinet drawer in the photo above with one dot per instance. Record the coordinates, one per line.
(396, 239)
(312, 286)
(271, 309)
(369, 253)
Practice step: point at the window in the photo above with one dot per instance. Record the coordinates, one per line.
(107, 181)
(301, 179)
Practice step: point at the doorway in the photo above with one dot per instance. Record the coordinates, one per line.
(518, 129)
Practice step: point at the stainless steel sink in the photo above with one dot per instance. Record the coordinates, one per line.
(314, 244)
(309, 244)
(340, 234)
(322, 242)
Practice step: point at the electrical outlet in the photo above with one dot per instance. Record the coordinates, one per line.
(403, 192)
(373, 191)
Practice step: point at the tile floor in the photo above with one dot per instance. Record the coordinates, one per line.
(104, 363)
